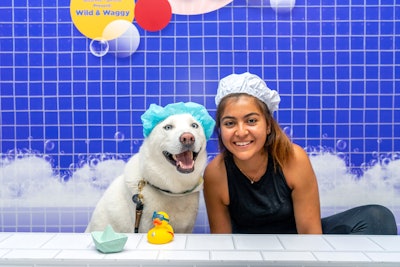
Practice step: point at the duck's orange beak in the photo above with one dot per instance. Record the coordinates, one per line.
(157, 221)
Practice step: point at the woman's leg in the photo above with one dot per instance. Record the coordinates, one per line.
(363, 220)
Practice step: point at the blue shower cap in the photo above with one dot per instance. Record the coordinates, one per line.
(156, 114)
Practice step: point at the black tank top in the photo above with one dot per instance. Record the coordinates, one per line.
(264, 207)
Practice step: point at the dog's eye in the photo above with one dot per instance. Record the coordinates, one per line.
(168, 127)
(195, 125)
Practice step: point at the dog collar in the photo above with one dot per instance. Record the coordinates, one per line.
(139, 201)
(196, 188)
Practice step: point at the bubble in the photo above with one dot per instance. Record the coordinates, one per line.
(94, 162)
(81, 163)
(386, 161)
(382, 156)
(72, 167)
(49, 145)
(99, 47)
(119, 137)
(123, 37)
(106, 156)
(364, 166)
(341, 155)
(282, 6)
(48, 158)
(357, 172)
(136, 142)
(373, 162)
(314, 154)
(341, 145)
(288, 131)
(65, 177)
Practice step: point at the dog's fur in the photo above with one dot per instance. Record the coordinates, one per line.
(168, 187)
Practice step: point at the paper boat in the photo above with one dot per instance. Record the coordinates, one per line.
(109, 241)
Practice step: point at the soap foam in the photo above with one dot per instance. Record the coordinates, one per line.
(31, 181)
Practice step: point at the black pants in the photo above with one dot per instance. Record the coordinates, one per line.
(363, 220)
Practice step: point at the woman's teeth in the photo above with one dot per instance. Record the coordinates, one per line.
(242, 143)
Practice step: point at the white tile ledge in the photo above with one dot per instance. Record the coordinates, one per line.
(63, 249)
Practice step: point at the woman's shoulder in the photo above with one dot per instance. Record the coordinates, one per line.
(215, 168)
(216, 163)
(297, 166)
(298, 154)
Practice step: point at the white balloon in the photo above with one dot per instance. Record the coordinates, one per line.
(123, 38)
(194, 7)
(282, 6)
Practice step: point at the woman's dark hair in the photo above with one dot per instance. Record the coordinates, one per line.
(277, 144)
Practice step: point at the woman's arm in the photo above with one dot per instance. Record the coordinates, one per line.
(216, 196)
(301, 178)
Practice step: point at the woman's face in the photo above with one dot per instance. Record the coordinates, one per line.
(243, 127)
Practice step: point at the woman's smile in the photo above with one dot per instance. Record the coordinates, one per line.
(243, 128)
(241, 143)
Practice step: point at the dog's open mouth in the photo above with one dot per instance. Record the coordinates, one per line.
(184, 161)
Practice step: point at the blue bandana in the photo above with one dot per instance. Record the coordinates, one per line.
(156, 114)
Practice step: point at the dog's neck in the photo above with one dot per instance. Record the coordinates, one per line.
(138, 198)
(196, 188)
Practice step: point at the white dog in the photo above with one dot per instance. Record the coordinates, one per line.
(165, 175)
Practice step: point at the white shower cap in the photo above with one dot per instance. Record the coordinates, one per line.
(249, 84)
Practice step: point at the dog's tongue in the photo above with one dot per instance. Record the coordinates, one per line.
(185, 160)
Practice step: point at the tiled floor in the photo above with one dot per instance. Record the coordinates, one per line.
(63, 249)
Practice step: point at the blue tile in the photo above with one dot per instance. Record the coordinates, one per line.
(386, 72)
(36, 137)
(328, 102)
(94, 132)
(7, 60)
(20, 133)
(388, 87)
(299, 28)
(314, 88)
(358, 87)
(356, 116)
(36, 118)
(284, 73)
(342, 12)
(6, 30)
(284, 43)
(342, 131)
(51, 118)
(6, 14)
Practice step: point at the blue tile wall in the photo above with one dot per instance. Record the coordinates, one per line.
(335, 64)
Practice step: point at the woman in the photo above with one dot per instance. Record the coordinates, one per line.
(261, 182)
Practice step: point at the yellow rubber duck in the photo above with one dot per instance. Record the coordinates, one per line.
(162, 232)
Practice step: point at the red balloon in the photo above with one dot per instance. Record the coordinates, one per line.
(153, 15)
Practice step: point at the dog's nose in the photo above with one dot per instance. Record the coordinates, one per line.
(187, 139)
